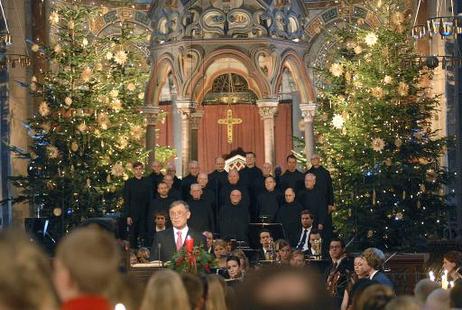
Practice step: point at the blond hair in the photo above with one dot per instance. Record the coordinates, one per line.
(92, 258)
(215, 293)
(26, 274)
(165, 291)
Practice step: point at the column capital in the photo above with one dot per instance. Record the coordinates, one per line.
(196, 117)
(185, 107)
(151, 112)
(308, 111)
(267, 107)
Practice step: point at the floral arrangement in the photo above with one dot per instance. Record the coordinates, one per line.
(192, 259)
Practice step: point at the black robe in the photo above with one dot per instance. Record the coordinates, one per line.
(175, 194)
(294, 180)
(217, 179)
(268, 203)
(177, 183)
(251, 178)
(324, 183)
(228, 188)
(234, 221)
(290, 218)
(158, 204)
(314, 201)
(209, 195)
(186, 186)
(155, 179)
(201, 215)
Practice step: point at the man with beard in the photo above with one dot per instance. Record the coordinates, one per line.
(137, 197)
(234, 217)
(289, 216)
(291, 177)
(201, 212)
(268, 201)
(190, 179)
(172, 191)
(156, 176)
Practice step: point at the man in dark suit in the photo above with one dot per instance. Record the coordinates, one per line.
(375, 259)
(171, 240)
(266, 252)
(306, 220)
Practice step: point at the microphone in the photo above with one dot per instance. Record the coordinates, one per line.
(159, 248)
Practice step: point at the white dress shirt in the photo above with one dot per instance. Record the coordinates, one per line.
(306, 246)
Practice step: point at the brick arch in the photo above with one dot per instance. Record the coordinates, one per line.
(292, 61)
(198, 86)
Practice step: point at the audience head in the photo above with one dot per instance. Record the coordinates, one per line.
(235, 196)
(289, 195)
(297, 259)
(160, 219)
(196, 191)
(220, 163)
(438, 299)
(86, 261)
(233, 265)
(133, 258)
(306, 218)
(156, 166)
(233, 177)
(267, 169)
(359, 267)
(244, 261)
(165, 290)
(162, 189)
(143, 255)
(310, 181)
(452, 260)
(315, 236)
(423, 289)
(202, 179)
(455, 296)
(265, 238)
(283, 250)
(315, 160)
(208, 238)
(195, 289)
(291, 163)
(219, 248)
(250, 159)
(373, 297)
(193, 167)
(336, 249)
(216, 288)
(403, 303)
(374, 259)
(25, 274)
(270, 183)
(179, 214)
(282, 287)
(138, 169)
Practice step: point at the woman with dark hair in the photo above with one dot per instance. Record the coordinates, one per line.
(452, 263)
(233, 264)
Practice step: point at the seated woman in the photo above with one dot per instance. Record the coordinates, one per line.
(233, 265)
(143, 255)
(360, 273)
(297, 259)
(283, 251)
(245, 265)
(219, 249)
(452, 263)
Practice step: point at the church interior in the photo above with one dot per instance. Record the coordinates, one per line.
(189, 150)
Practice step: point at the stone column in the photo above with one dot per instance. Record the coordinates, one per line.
(185, 108)
(196, 118)
(308, 112)
(268, 109)
(151, 113)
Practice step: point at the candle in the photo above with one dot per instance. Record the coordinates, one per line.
(431, 275)
(444, 280)
(189, 243)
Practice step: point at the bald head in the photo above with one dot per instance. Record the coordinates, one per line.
(156, 166)
(267, 169)
(196, 191)
(235, 196)
(233, 177)
(220, 164)
(202, 179)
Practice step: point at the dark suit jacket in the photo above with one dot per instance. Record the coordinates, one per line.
(383, 279)
(164, 246)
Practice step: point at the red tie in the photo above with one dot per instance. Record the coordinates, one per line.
(179, 241)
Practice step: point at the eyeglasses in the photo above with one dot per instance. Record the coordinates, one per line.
(177, 214)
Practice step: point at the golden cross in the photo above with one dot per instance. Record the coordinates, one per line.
(229, 121)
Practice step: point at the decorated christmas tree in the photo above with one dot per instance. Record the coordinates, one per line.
(89, 128)
(374, 131)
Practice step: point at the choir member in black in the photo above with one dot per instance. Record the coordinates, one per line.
(201, 212)
(289, 216)
(339, 271)
(268, 201)
(312, 199)
(233, 182)
(291, 177)
(267, 170)
(171, 170)
(251, 176)
(306, 221)
(190, 179)
(137, 197)
(157, 224)
(156, 176)
(267, 251)
(208, 194)
(219, 176)
(234, 217)
(172, 191)
(161, 203)
(324, 185)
